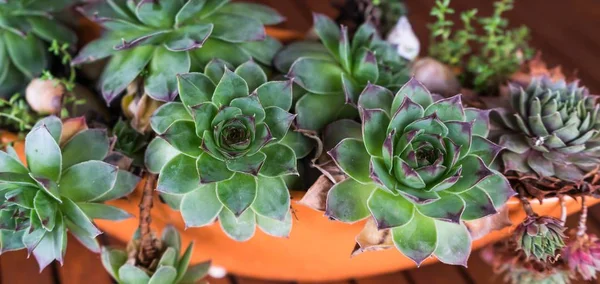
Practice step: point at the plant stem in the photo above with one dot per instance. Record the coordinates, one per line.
(582, 219)
(526, 205)
(148, 250)
(563, 211)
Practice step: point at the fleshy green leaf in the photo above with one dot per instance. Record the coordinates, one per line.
(319, 76)
(131, 274)
(27, 53)
(203, 116)
(125, 184)
(414, 90)
(454, 243)
(46, 209)
(309, 119)
(237, 193)
(328, 32)
(280, 160)
(374, 130)
(252, 74)
(250, 106)
(87, 145)
(178, 176)
(347, 201)
(236, 28)
(211, 169)
(263, 13)
(103, 211)
(418, 239)
(168, 114)
(240, 229)
(388, 210)
(88, 180)
(161, 83)
(76, 215)
(122, 69)
(474, 171)
(276, 93)
(478, 204)
(158, 153)
(350, 155)
(52, 246)
(112, 260)
(10, 164)
(376, 97)
(201, 206)
(195, 88)
(230, 87)
(164, 274)
(449, 208)
(182, 136)
(249, 164)
(272, 198)
(43, 154)
(188, 37)
(274, 227)
(447, 109)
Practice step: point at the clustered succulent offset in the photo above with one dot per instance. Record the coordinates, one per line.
(506, 258)
(61, 187)
(163, 38)
(552, 130)
(420, 169)
(582, 253)
(221, 151)
(334, 72)
(169, 268)
(27, 25)
(540, 237)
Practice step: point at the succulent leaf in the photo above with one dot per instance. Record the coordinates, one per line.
(335, 71)
(426, 169)
(169, 266)
(549, 123)
(224, 150)
(164, 38)
(45, 199)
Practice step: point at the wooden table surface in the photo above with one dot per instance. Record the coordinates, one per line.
(566, 32)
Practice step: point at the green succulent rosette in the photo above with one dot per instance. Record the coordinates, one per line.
(420, 168)
(541, 238)
(169, 268)
(61, 189)
(223, 151)
(27, 26)
(162, 38)
(333, 72)
(551, 130)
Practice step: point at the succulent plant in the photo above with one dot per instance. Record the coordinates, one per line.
(60, 187)
(130, 142)
(582, 253)
(26, 28)
(507, 259)
(159, 39)
(222, 151)
(552, 130)
(540, 237)
(169, 268)
(420, 169)
(334, 72)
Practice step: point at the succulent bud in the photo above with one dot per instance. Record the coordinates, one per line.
(582, 253)
(45, 96)
(540, 237)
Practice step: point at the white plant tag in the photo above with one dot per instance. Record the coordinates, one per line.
(404, 38)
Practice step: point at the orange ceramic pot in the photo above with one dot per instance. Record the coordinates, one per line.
(317, 249)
